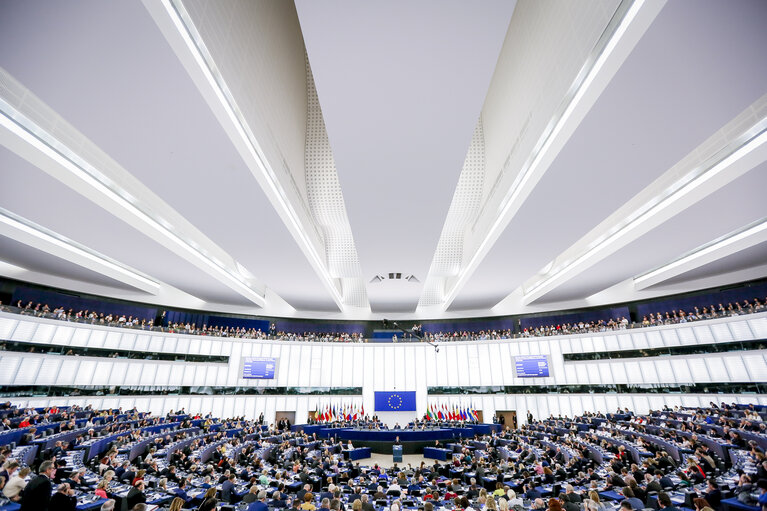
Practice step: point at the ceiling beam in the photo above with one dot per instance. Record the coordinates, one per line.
(27, 128)
(29, 233)
(731, 243)
(621, 36)
(724, 157)
(176, 25)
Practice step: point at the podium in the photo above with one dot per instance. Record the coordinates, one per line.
(396, 451)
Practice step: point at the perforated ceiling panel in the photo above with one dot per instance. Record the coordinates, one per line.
(326, 203)
(463, 212)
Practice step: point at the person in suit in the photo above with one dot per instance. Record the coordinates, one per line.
(251, 496)
(75, 480)
(136, 495)
(303, 491)
(260, 503)
(571, 495)
(653, 483)
(631, 498)
(713, 494)
(119, 471)
(180, 490)
(57, 451)
(666, 482)
(366, 505)
(37, 493)
(227, 490)
(664, 501)
(278, 500)
(64, 499)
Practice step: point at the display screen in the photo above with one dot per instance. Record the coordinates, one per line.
(259, 368)
(395, 401)
(532, 366)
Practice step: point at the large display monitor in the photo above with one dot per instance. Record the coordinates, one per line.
(532, 366)
(259, 368)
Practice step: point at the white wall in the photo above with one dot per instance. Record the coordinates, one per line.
(386, 367)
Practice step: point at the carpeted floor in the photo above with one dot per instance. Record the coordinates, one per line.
(386, 460)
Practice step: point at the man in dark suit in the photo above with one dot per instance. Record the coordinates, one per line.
(278, 500)
(666, 482)
(357, 495)
(366, 505)
(119, 471)
(227, 490)
(180, 490)
(713, 494)
(57, 451)
(652, 482)
(37, 493)
(664, 501)
(136, 495)
(303, 491)
(64, 499)
(260, 504)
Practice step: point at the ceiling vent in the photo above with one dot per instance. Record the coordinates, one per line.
(393, 276)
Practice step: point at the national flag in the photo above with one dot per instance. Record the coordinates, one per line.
(463, 413)
(362, 412)
(439, 413)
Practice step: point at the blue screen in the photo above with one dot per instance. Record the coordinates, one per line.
(395, 401)
(532, 366)
(259, 368)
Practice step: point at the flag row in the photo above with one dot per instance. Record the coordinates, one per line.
(443, 412)
(339, 412)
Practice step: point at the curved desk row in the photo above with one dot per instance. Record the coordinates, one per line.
(405, 435)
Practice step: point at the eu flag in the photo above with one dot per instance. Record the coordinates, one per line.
(395, 401)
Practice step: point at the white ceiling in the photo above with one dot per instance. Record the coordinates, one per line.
(402, 86)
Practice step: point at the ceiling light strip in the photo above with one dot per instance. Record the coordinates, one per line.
(193, 40)
(27, 130)
(754, 230)
(756, 137)
(624, 15)
(19, 223)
